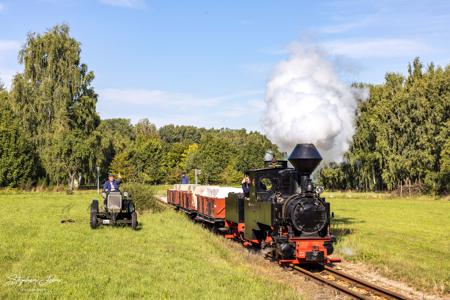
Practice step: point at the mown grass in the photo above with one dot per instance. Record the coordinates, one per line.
(403, 238)
(170, 257)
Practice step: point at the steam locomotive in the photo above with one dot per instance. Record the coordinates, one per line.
(283, 213)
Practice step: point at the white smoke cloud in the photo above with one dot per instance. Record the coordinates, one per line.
(306, 102)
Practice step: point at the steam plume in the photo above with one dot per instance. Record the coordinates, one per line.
(306, 102)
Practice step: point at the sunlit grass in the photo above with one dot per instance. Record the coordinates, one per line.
(170, 257)
(404, 238)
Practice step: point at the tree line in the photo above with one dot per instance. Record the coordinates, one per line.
(52, 135)
(402, 138)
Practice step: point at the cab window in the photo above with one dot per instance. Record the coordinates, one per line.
(265, 185)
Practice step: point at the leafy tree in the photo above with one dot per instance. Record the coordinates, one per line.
(332, 177)
(231, 174)
(148, 161)
(212, 158)
(123, 164)
(251, 152)
(55, 101)
(401, 135)
(114, 137)
(173, 159)
(444, 174)
(145, 129)
(17, 157)
(118, 131)
(180, 134)
(71, 153)
(147, 154)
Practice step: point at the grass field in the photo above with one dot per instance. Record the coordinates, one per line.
(407, 239)
(170, 257)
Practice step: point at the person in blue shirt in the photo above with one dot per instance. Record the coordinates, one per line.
(184, 178)
(112, 185)
(246, 186)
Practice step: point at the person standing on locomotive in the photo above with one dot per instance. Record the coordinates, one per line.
(246, 186)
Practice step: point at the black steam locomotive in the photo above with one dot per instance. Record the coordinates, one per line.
(284, 211)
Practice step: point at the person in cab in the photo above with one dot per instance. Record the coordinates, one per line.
(246, 186)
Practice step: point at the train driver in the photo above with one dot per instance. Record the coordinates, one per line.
(246, 186)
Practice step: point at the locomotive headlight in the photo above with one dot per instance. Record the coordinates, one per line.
(319, 190)
(125, 194)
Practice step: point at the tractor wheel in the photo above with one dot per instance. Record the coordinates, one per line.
(134, 222)
(131, 207)
(94, 211)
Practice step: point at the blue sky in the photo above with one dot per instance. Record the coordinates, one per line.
(206, 63)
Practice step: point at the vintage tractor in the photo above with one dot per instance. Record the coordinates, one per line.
(119, 210)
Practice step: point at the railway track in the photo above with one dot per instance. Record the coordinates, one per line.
(348, 284)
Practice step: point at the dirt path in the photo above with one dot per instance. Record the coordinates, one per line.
(365, 272)
(163, 199)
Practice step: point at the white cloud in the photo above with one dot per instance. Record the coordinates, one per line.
(9, 45)
(382, 48)
(235, 110)
(345, 27)
(125, 3)
(145, 97)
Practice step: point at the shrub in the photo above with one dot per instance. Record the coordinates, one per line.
(143, 197)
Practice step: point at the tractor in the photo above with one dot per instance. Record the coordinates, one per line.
(118, 210)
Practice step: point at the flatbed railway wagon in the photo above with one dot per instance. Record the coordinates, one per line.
(211, 204)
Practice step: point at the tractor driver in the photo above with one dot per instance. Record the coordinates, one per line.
(111, 185)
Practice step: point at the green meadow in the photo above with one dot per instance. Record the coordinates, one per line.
(169, 257)
(403, 238)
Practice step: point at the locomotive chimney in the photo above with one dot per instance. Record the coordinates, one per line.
(305, 158)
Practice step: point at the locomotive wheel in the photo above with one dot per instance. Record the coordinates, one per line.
(94, 211)
(134, 222)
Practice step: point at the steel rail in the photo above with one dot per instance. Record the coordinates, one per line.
(331, 283)
(369, 287)
(378, 290)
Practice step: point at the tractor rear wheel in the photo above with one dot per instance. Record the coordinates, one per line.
(134, 222)
(94, 211)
